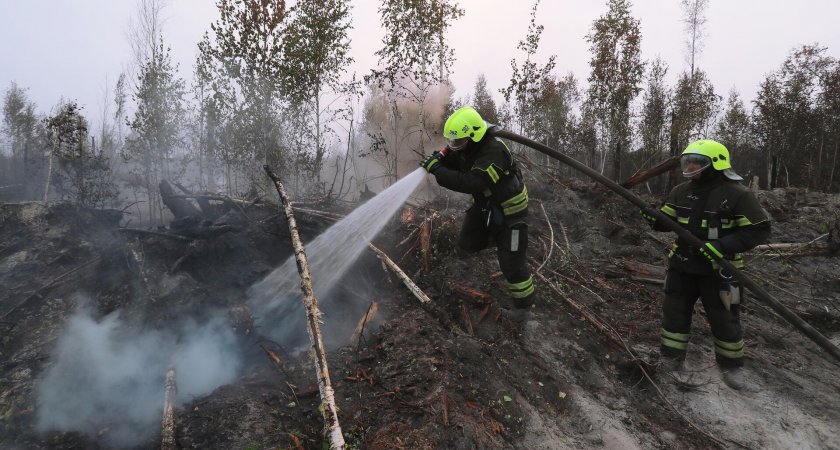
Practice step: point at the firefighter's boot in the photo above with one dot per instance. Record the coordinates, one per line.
(735, 378)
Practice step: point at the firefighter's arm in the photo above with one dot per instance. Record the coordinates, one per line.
(745, 238)
(752, 226)
(472, 182)
(667, 208)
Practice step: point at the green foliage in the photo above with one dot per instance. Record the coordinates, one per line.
(316, 55)
(156, 128)
(617, 72)
(734, 131)
(25, 135)
(654, 115)
(415, 58)
(530, 81)
(415, 49)
(85, 175)
(483, 102)
(159, 116)
(796, 120)
(695, 106)
(241, 65)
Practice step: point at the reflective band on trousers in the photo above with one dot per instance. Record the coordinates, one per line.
(516, 203)
(677, 341)
(522, 289)
(731, 350)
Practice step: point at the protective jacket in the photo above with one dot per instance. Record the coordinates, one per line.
(718, 210)
(487, 170)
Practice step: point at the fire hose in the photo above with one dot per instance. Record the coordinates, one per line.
(685, 235)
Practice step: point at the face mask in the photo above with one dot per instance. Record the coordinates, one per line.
(457, 144)
(693, 164)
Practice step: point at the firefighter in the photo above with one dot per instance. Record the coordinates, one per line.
(714, 206)
(476, 162)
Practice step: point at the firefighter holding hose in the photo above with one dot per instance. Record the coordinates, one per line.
(476, 162)
(727, 217)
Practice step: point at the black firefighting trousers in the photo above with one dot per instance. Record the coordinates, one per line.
(511, 242)
(681, 293)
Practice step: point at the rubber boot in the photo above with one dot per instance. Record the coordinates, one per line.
(674, 370)
(735, 378)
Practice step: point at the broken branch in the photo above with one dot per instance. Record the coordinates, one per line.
(402, 276)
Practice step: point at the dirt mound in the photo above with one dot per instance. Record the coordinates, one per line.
(460, 372)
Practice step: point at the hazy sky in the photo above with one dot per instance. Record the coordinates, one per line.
(69, 48)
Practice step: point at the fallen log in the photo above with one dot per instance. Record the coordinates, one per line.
(313, 316)
(177, 204)
(643, 175)
(167, 441)
(475, 294)
(402, 276)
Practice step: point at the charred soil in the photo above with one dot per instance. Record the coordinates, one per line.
(462, 372)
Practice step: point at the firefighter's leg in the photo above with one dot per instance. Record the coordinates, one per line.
(512, 243)
(725, 324)
(681, 292)
(474, 234)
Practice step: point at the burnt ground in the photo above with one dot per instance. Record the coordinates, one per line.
(458, 373)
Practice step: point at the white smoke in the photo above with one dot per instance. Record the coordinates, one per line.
(108, 380)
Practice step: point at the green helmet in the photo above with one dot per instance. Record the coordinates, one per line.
(462, 125)
(715, 151)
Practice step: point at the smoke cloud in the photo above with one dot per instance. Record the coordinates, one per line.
(108, 379)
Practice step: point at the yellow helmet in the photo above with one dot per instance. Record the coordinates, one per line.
(715, 151)
(464, 124)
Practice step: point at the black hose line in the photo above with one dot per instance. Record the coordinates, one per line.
(685, 235)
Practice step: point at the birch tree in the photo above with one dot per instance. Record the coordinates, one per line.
(316, 55)
(617, 71)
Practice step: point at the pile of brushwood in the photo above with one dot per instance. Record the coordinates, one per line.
(452, 372)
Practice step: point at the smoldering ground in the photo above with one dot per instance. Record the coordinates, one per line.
(107, 378)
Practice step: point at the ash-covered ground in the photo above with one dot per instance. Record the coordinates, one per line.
(92, 317)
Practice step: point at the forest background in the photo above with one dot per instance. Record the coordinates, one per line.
(338, 104)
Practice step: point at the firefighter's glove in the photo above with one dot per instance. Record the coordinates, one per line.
(647, 214)
(711, 252)
(431, 163)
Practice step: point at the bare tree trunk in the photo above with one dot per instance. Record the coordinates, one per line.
(313, 316)
(167, 441)
(49, 175)
(833, 166)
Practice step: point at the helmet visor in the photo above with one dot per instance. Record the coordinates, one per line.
(692, 164)
(457, 144)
